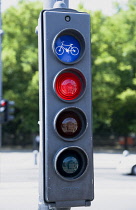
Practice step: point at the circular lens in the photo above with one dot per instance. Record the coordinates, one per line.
(67, 48)
(69, 84)
(71, 123)
(69, 45)
(71, 162)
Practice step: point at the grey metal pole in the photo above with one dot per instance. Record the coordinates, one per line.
(61, 209)
(48, 4)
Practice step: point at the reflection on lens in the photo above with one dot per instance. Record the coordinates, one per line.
(71, 123)
(68, 124)
(71, 163)
(69, 84)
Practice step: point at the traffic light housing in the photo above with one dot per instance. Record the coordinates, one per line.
(6, 111)
(66, 176)
(3, 111)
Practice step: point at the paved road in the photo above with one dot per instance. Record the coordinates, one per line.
(19, 183)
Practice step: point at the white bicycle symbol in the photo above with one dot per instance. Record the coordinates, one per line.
(68, 48)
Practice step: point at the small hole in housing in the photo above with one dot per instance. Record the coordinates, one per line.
(67, 18)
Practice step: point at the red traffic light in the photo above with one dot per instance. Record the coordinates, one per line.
(69, 84)
(3, 103)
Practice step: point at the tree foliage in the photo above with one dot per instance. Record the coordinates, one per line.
(113, 61)
(20, 64)
(114, 69)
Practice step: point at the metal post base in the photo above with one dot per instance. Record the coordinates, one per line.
(43, 206)
(60, 208)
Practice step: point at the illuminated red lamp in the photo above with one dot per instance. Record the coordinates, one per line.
(69, 85)
(3, 103)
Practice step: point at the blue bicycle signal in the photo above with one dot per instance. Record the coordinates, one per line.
(67, 48)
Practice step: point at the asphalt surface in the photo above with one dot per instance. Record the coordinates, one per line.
(19, 183)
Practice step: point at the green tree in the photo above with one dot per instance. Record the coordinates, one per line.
(114, 68)
(20, 65)
(124, 113)
(113, 41)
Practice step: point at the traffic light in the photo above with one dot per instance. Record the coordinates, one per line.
(66, 176)
(6, 111)
(11, 110)
(3, 111)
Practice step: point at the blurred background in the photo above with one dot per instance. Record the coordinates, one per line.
(113, 40)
